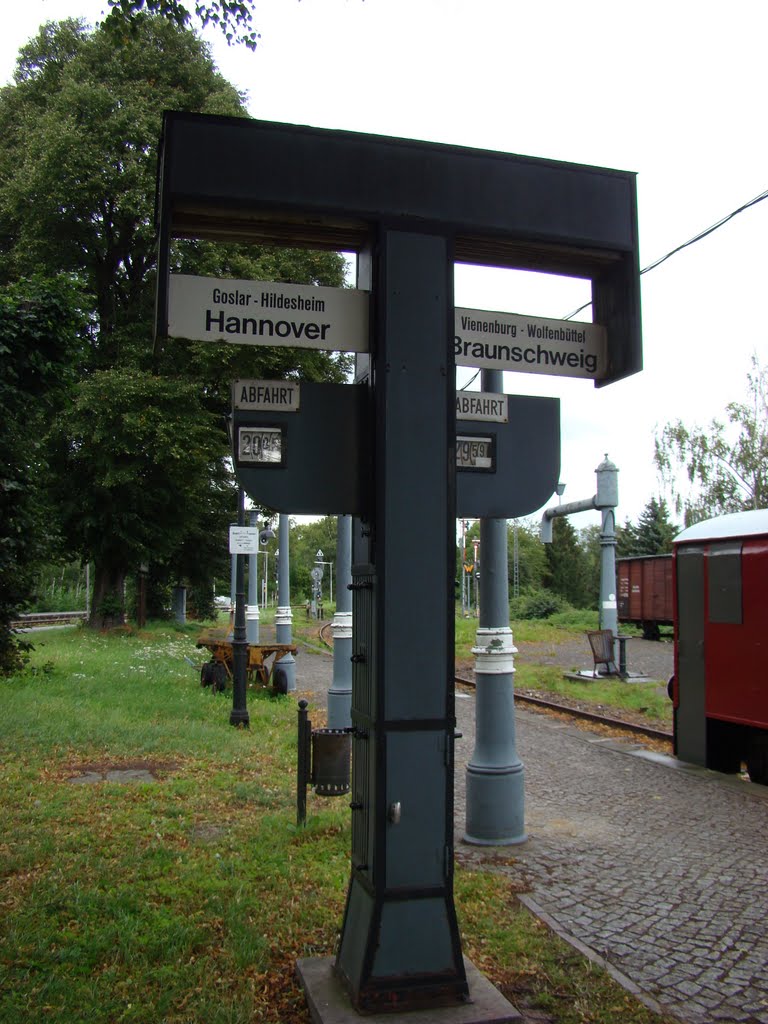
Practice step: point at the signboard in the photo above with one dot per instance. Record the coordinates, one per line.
(529, 344)
(266, 395)
(336, 319)
(267, 313)
(484, 406)
(243, 540)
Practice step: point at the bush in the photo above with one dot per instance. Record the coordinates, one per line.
(538, 605)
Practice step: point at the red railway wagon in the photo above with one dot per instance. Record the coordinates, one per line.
(720, 686)
(644, 591)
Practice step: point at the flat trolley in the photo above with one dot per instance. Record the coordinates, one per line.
(261, 665)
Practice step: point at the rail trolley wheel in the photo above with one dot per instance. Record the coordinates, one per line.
(280, 680)
(757, 757)
(219, 677)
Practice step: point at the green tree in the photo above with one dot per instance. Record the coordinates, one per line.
(726, 463)
(654, 532)
(233, 17)
(129, 441)
(39, 323)
(568, 569)
(306, 540)
(78, 138)
(531, 555)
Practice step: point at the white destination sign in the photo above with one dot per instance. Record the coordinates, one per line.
(529, 344)
(267, 395)
(243, 540)
(482, 405)
(267, 313)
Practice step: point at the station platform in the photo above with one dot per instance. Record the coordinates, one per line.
(656, 870)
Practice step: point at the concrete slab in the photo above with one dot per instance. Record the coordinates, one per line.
(329, 1003)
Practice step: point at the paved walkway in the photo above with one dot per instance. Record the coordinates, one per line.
(660, 870)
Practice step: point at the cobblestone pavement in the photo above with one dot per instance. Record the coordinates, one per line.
(660, 870)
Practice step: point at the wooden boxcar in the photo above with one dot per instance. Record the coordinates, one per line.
(720, 686)
(644, 592)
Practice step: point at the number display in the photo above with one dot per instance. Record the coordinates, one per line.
(474, 453)
(260, 444)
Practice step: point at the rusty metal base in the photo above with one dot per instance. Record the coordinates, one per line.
(329, 1003)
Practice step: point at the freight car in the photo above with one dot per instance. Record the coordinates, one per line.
(645, 592)
(720, 685)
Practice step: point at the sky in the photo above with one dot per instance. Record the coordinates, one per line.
(673, 91)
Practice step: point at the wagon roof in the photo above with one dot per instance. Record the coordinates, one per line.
(736, 524)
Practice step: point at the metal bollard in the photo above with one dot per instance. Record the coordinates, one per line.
(304, 760)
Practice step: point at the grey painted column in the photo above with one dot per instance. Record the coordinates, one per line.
(495, 778)
(606, 499)
(340, 693)
(252, 608)
(284, 615)
(179, 604)
(239, 713)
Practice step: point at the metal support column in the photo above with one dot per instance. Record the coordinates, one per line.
(400, 947)
(239, 714)
(252, 609)
(495, 777)
(283, 615)
(340, 692)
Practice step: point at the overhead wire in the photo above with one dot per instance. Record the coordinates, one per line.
(696, 238)
(656, 263)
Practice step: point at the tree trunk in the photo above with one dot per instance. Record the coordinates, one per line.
(108, 609)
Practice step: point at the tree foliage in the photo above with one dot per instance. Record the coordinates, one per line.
(38, 354)
(726, 463)
(233, 17)
(78, 162)
(652, 535)
(148, 456)
(567, 564)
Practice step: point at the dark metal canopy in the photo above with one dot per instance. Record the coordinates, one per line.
(236, 179)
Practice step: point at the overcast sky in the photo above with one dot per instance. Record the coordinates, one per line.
(674, 91)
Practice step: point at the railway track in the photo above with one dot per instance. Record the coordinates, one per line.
(34, 619)
(588, 716)
(326, 635)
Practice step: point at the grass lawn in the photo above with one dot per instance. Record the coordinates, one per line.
(188, 899)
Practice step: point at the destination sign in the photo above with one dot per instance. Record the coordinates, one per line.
(482, 405)
(266, 395)
(527, 344)
(474, 452)
(336, 319)
(267, 313)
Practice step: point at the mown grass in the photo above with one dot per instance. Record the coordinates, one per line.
(188, 899)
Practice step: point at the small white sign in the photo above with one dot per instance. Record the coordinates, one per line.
(266, 395)
(267, 313)
(484, 406)
(529, 344)
(243, 540)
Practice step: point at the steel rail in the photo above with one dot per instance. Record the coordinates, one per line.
(589, 716)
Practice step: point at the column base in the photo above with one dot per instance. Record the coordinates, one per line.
(495, 806)
(329, 1003)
